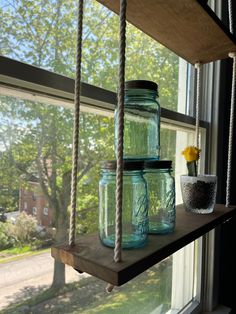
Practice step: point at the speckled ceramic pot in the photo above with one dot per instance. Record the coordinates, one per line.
(199, 193)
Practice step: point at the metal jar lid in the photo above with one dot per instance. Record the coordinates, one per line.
(128, 165)
(141, 84)
(158, 164)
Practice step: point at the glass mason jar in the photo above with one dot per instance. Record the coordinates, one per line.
(161, 194)
(134, 209)
(141, 121)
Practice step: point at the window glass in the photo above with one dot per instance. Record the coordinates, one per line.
(35, 146)
(43, 33)
(34, 211)
(45, 211)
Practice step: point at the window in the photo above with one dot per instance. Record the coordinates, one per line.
(25, 206)
(34, 196)
(45, 211)
(34, 211)
(53, 126)
(38, 38)
(36, 135)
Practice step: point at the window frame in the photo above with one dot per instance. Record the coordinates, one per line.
(22, 80)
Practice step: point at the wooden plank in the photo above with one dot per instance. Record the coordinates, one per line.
(187, 27)
(90, 256)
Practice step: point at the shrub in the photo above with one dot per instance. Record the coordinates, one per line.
(7, 237)
(25, 229)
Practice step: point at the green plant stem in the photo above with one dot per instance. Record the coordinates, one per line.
(192, 168)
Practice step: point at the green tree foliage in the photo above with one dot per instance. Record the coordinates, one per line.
(43, 33)
(35, 139)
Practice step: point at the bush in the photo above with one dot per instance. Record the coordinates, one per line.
(25, 229)
(7, 237)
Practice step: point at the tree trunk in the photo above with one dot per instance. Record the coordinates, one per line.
(60, 236)
(59, 277)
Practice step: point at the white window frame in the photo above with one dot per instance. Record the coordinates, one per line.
(45, 211)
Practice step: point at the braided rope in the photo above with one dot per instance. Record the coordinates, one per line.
(232, 105)
(76, 125)
(231, 128)
(230, 10)
(120, 109)
(198, 66)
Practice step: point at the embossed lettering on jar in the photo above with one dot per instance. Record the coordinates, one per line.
(134, 206)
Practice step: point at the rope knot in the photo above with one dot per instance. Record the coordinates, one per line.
(197, 65)
(232, 54)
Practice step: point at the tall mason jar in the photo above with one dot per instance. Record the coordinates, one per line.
(134, 206)
(161, 194)
(141, 121)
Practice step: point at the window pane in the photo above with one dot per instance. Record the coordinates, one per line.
(35, 165)
(43, 33)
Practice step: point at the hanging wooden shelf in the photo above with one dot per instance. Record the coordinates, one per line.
(187, 27)
(90, 256)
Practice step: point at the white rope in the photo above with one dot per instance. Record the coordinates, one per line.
(198, 66)
(230, 10)
(232, 105)
(76, 125)
(231, 129)
(120, 111)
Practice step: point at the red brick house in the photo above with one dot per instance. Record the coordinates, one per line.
(33, 202)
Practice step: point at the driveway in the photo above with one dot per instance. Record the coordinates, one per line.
(25, 277)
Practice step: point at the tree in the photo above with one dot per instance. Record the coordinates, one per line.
(38, 141)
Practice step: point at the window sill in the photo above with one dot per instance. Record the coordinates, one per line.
(90, 256)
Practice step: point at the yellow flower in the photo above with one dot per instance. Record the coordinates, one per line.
(191, 153)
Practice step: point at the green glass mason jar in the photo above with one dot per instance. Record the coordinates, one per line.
(141, 121)
(161, 194)
(134, 207)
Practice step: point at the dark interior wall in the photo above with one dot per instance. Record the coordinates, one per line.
(227, 275)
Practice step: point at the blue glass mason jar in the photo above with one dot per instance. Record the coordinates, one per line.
(161, 194)
(141, 121)
(134, 208)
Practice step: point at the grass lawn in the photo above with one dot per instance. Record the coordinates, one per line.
(16, 253)
(142, 295)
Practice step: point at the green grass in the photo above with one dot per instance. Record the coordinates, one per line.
(141, 295)
(17, 253)
(43, 296)
(87, 296)
(15, 250)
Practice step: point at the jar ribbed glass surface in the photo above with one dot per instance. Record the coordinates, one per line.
(161, 194)
(134, 210)
(141, 121)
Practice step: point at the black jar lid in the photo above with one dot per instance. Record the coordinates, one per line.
(141, 84)
(128, 164)
(158, 164)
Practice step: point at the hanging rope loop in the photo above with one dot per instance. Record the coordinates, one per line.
(198, 67)
(120, 114)
(75, 152)
(231, 130)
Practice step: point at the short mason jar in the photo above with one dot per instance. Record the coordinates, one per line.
(134, 208)
(161, 194)
(141, 121)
